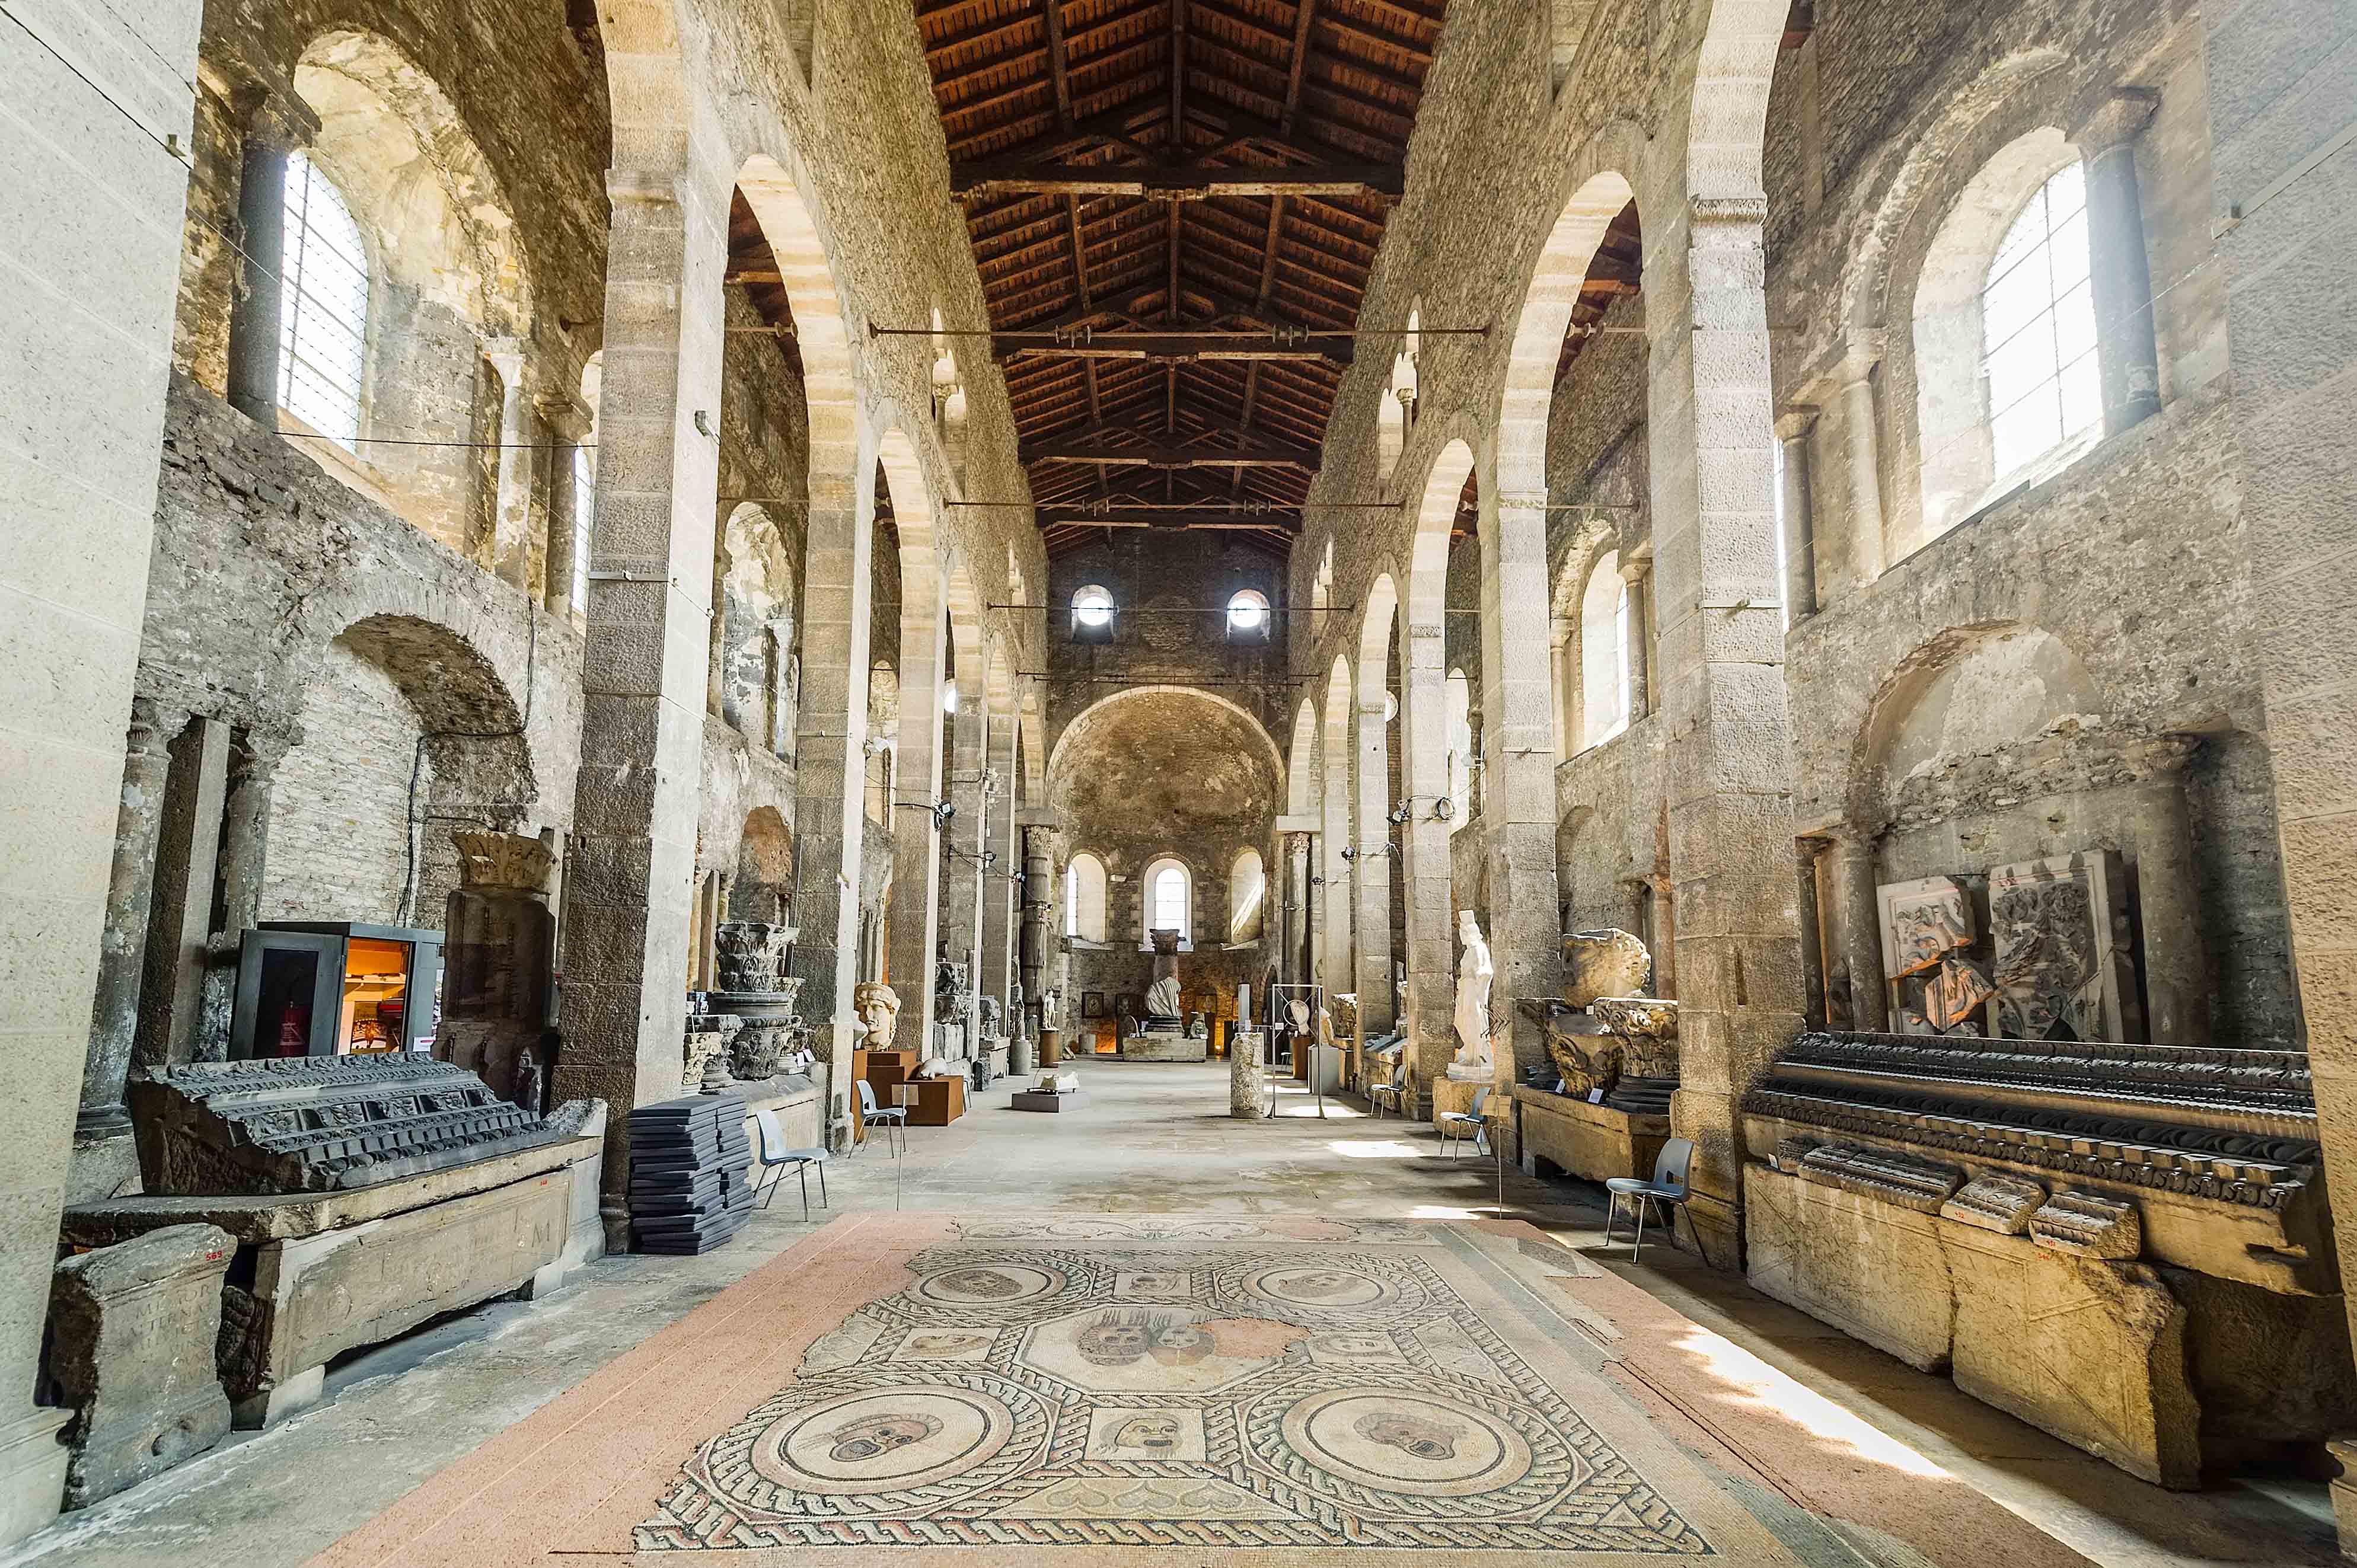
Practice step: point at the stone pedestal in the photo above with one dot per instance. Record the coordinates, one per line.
(1456, 1094)
(1165, 1046)
(1245, 1048)
(1592, 1141)
(132, 1333)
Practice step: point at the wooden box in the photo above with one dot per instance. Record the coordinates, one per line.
(888, 1071)
(935, 1101)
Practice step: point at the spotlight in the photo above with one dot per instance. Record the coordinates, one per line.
(1443, 808)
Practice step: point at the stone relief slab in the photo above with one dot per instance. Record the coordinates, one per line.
(2062, 966)
(1923, 920)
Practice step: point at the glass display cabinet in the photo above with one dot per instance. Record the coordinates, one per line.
(336, 988)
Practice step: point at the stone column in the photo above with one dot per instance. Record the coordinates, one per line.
(1518, 821)
(2169, 899)
(1792, 428)
(916, 911)
(511, 556)
(1431, 930)
(1812, 954)
(1335, 904)
(1039, 882)
(180, 910)
(1858, 928)
(1730, 759)
(1371, 872)
(1862, 442)
(275, 125)
(999, 837)
(631, 872)
(1296, 912)
(2119, 276)
(1638, 577)
(244, 856)
(569, 419)
(105, 1163)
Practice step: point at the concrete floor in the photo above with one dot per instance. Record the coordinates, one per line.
(1151, 1138)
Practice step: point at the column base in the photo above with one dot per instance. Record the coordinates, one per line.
(2343, 1450)
(32, 1472)
(105, 1162)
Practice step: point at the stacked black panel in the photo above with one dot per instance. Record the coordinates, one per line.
(688, 1156)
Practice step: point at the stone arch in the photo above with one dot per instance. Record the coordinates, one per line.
(435, 209)
(1545, 315)
(2043, 683)
(754, 635)
(1074, 731)
(406, 734)
(1436, 516)
(1301, 762)
(1727, 122)
(1377, 866)
(764, 885)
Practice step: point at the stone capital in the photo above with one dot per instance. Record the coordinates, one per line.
(1522, 501)
(2111, 118)
(643, 187)
(274, 115)
(505, 355)
(1860, 355)
(1795, 423)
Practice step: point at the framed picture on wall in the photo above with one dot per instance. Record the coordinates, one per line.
(1092, 1005)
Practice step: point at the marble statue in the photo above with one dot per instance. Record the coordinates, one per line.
(1162, 998)
(1474, 972)
(878, 1006)
(1298, 1010)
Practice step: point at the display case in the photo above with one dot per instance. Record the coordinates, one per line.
(328, 989)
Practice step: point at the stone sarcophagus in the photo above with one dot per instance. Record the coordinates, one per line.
(364, 1194)
(319, 1123)
(2128, 1245)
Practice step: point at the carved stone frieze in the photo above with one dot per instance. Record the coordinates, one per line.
(1995, 1201)
(2088, 1225)
(1884, 1174)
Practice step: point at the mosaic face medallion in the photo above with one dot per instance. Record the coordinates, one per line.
(1327, 1288)
(997, 1285)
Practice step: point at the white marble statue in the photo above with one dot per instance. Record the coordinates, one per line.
(1474, 973)
(1162, 998)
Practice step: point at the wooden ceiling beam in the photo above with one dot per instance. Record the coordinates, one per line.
(1184, 182)
(1164, 456)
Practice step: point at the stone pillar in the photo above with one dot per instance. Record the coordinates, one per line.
(999, 837)
(1431, 938)
(1518, 820)
(180, 910)
(1296, 912)
(1792, 428)
(830, 744)
(275, 125)
(92, 299)
(1335, 903)
(2288, 260)
(969, 832)
(1371, 872)
(1813, 954)
(1866, 551)
(1730, 760)
(916, 913)
(2168, 900)
(1638, 577)
(511, 553)
(1858, 928)
(243, 859)
(105, 1163)
(2119, 276)
(631, 874)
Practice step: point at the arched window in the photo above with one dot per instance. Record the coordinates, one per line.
(1247, 889)
(1169, 901)
(323, 306)
(1084, 898)
(2037, 329)
(1603, 652)
(1248, 614)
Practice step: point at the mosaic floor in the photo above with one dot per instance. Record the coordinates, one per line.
(1191, 1384)
(1137, 1388)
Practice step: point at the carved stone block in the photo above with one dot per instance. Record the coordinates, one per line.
(1605, 963)
(1994, 1202)
(1922, 921)
(2089, 1226)
(132, 1329)
(2062, 967)
(1886, 1174)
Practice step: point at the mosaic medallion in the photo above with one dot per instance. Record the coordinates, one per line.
(990, 1284)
